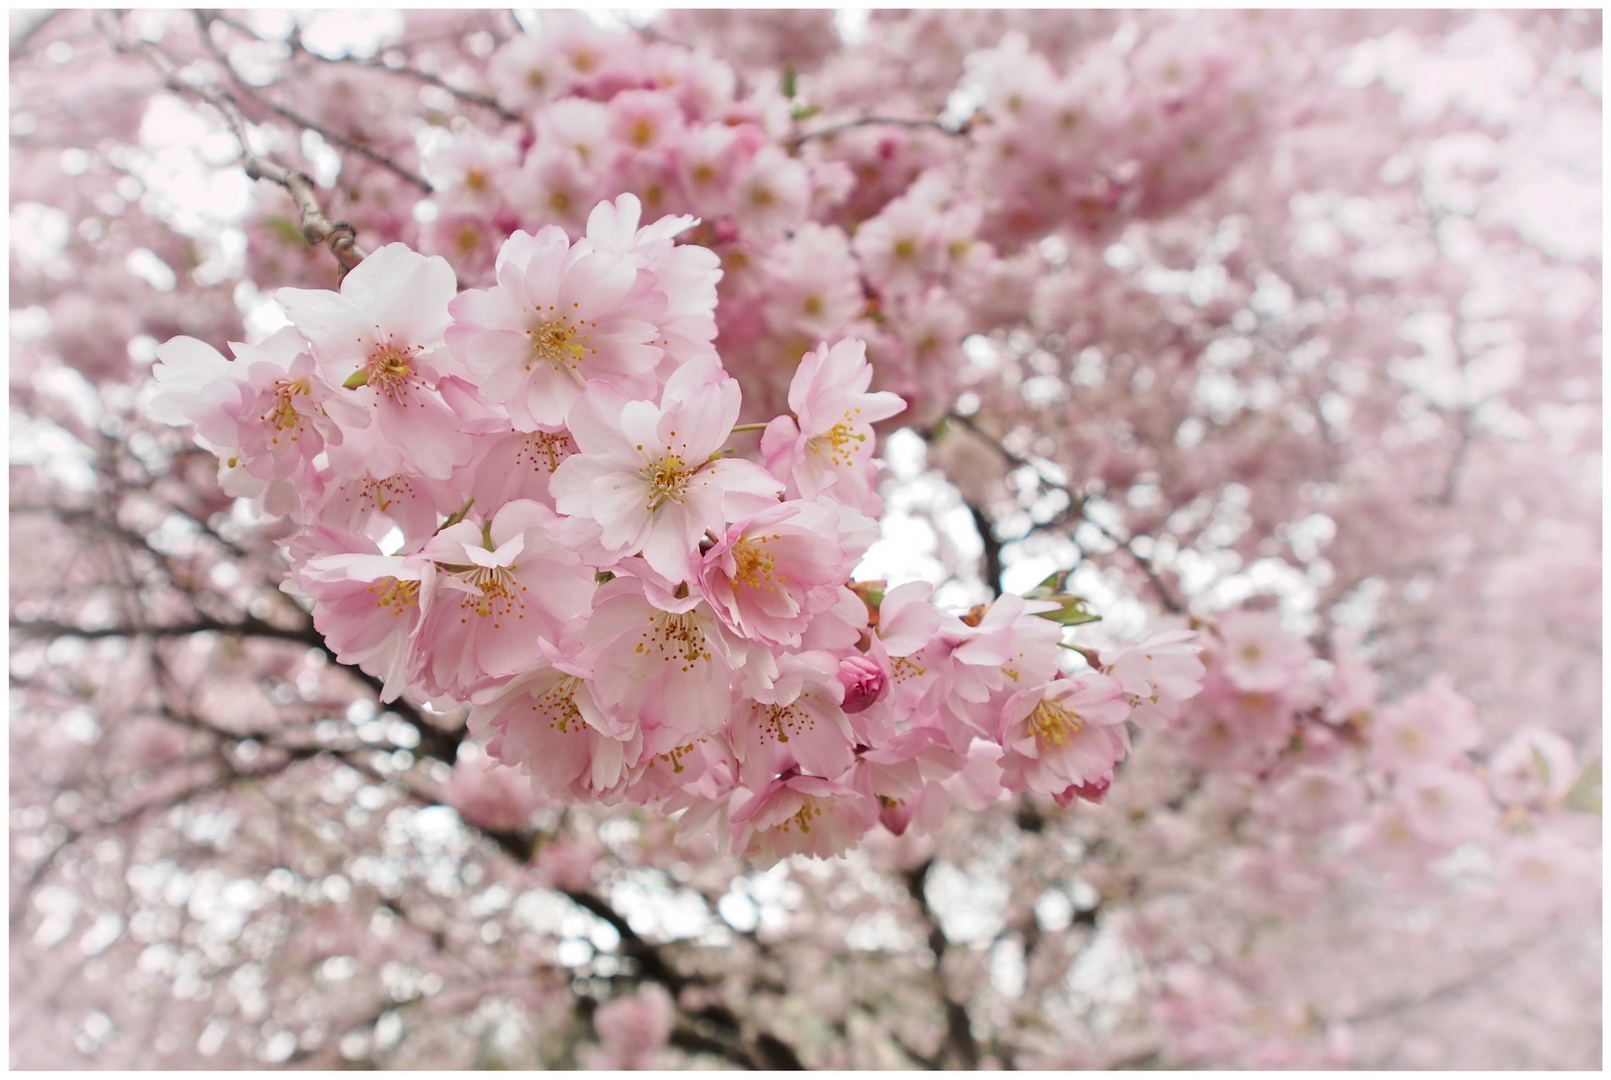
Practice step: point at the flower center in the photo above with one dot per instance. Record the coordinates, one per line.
(667, 480)
(753, 564)
(802, 817)
(841, 441)
(388, 370)
(779, 721)
(545, 450)
(1053, 725)
(395, 594)
(557, 706)
(674, 637)
(499, 593)
(283, 413)
(560, 342)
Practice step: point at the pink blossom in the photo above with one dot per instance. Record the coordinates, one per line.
(1446, 806)
(558, 317)
(1430, 728)
(648, 474)
(1534, 767)
(671, 672)
(632, 1029)
(547, 722)
(798, 815)
(773, 571)
(488, 596)
(381, 339)
(1258, 655)
(1066, 733)
(828, 442)
(365, 604)
(865, 683)
(813, 291)
(1157, 674)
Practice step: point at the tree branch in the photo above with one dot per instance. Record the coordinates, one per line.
(316, 227)
(959, 1040)
(1077, 505)
(204, 21)
(868, 121)
(992, 548)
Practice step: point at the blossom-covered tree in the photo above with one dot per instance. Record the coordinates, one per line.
(913, 539)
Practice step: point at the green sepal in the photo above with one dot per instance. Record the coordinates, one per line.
(1584, 796)
(1048, 588)
(1071, 610)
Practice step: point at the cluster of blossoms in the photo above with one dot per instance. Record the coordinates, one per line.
(903, 234)
(524, 498)
(1399, 785)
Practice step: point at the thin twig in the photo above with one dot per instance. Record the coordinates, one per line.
(869, 121)
(1077, 505)
(316, 228)
(294, 42)
(301, 121)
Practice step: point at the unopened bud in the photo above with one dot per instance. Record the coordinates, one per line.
(864, 682)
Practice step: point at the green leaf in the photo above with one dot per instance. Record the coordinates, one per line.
(790, 82)
(1048, 588)
(806, 112)
(1541, 763)
(1073, 611)
(1584, 797)
(357, 379)
(285, 229)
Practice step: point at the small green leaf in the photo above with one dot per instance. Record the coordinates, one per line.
(1541, 763)
(1073, 612)
(1048, 588)
(357, 379)
(806, 112)
(1584, 797)
(601, 576)
(790, 82)
(285, 229)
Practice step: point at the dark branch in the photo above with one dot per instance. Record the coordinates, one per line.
(316, 227)
(1077, 506)
(991, 571)
(959, 1040)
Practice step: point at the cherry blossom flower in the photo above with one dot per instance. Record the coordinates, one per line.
(381, 339)
(558, 317)
(489, 594)
(828, 441)
(798, 815)
(1068, 733)
(648, 474)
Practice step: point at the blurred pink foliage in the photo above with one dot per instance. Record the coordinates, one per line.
(1271, 338)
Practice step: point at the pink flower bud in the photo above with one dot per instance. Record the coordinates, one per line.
(864, 682)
